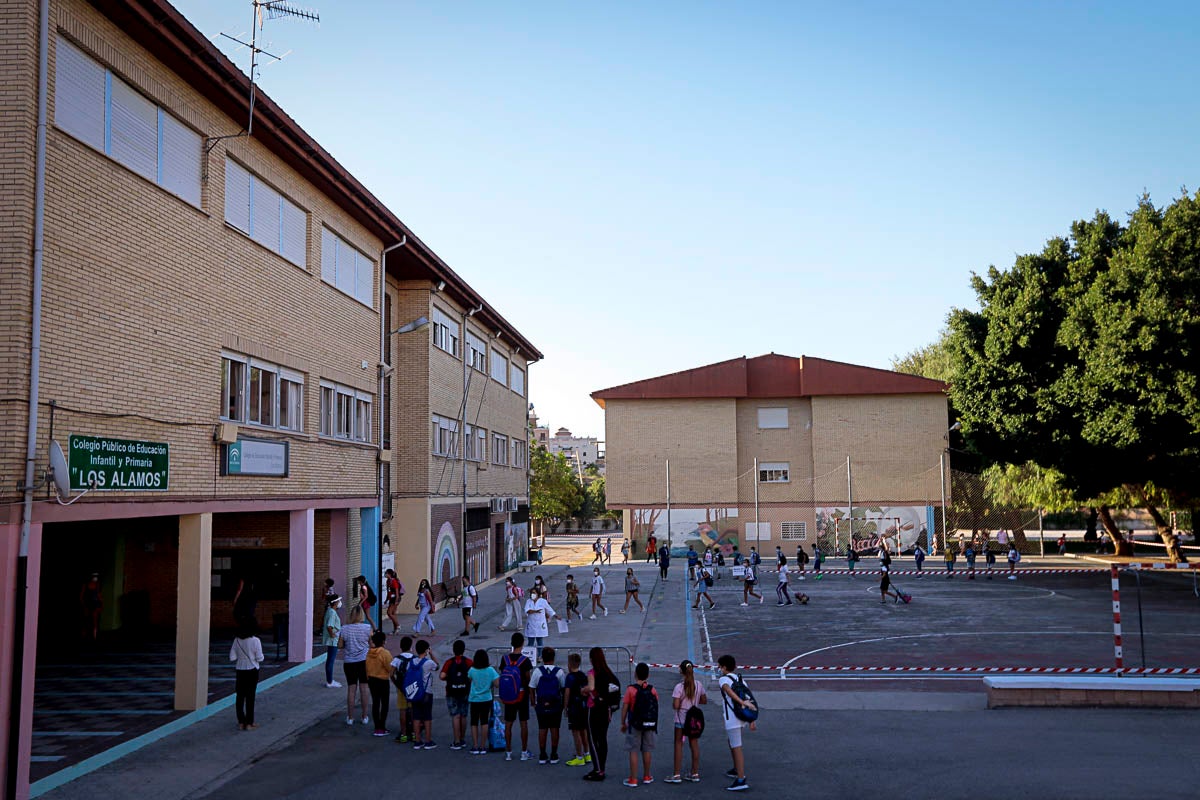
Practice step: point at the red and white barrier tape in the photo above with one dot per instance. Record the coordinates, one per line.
(958, 572)
(965, 670)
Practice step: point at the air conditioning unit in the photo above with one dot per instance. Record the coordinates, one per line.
(513, 503)
(497, 505)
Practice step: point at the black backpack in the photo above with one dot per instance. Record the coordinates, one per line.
(644, 714)
(400, 671)
(693, 723)
(458, 684)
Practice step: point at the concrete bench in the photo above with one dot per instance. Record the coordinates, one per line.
(526, 566)
(1091, 691)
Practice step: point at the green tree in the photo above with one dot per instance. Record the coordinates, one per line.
(555, 493)
(931, 361)
(1083, 358)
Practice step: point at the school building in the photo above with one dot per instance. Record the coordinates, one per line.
(241, 365)
(776, 450)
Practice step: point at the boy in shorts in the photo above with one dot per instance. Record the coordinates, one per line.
(458, 690)
(576, 706)
(546, 684)
(733, 725)
(422, 710)
(403, 709)
(639, 734)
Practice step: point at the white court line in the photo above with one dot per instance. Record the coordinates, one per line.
(708, 651)
(949, 634)
(1050, 593)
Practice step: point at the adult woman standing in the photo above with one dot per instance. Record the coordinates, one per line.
(512, 604)
(537, 618)
(395, 593)
(687, 694)
(424, 607)
(602, 688)
(331, 631)
(632, 584)
(356, 641)
(247, 654)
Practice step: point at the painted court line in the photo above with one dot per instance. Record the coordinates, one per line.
(45, 759)
(68, 774)
(77, 733)
(106, 712)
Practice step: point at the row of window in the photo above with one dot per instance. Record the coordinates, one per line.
(446, 337)
(258, 393)
(504, 451)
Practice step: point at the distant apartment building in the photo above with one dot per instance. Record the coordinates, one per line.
(776, 450)
(217, 359)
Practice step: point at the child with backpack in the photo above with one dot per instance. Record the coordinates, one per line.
(379, 669)
(572, 598)
(704, 580)
(686, 698)
(576, 705)
(484, 679)
(403, 709)
(597, 593)
(639, 723)
(1014, 555)
(547, 682)
(455, 674)
(515, 670)
(418, 688)
(739, 709)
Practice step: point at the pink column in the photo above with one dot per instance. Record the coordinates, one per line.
(300, 582)
(10, 537)
(339, 527)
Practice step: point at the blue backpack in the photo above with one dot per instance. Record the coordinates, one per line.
(548, 691)
(512, 688)
(414, 680)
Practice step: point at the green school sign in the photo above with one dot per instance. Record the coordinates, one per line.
(118, 465)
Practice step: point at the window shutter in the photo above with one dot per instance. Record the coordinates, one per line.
(133, 135)
(328, 256)
(79, 95)
(180, 160)
(365, 278)
(237, 196)
(264, 207)
(295, 234)
(345, 267)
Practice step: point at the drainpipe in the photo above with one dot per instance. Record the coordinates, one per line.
(35, 356)
(379, 487)
(462, 428)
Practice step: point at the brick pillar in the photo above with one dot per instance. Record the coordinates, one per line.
(10, 539)
(192, 611)
(300, 581)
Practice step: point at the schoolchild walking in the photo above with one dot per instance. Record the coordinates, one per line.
(572, 598)
(512, 604)
(704, 580)
(546, 684)
(732, 705)
(693, 558)
(719, 561)
(575, 702)
(749, 582)
(885, 578)
(632, 585)
(597, 593)
(624, 551)
(818, 558)
(851, 556)
(664, 561)
(379, 671)
(989, 560)
(1014, 555)
(515, 670)
(969, 555)
(652, 548)
(639, 723)
(801, 560)
(918, 556)
(395, 593)
(707, 559)
(781, 588)
(597, 551)
(470, 597)
(247, 655)
(686, 699)
(425, 608)
(456, 675)
(949, 557)
(331, 630)
(608, 550)
(484, 680)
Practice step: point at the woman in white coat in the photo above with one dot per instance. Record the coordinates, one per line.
(537, 618)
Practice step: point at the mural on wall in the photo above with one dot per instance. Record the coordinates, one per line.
(901, 526)
(699, 527)
(445, 554)
(516, 537)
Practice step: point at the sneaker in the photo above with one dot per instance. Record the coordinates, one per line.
(588, 758)
(647, 779)
(672, 779)
(477, 627)
(593, 616)
(743, 604)
(760, 599)
(366, 720)
(606, 610)
(431, 745)
(380, 732)
(456, 746)
(543, 759)
(739, 784)
(333, 685)
(418, 745)
(526, 755)
(508, 756)
(594, 776)
(349, 720)
(554, 758)
(622, 611)
(694, 777)
(577, 761)
(780, 604)
(731, 773)
(629, 783)
(712, 606)
(1012, 577)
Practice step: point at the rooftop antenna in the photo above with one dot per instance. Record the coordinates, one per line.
(263, 9)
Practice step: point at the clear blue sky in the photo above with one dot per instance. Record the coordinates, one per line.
(646, 187)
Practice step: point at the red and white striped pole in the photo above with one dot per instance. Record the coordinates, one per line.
(1116, 605)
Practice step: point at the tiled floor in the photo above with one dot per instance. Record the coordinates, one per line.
(92, 702)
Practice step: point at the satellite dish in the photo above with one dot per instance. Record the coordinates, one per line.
(59, 475)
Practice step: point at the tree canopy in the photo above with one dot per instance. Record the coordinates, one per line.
(555, 492)
(1083, 358)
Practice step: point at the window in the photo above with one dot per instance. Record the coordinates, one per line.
(258, 393)
(517, 380)
(101, 110)
(793, 530)
(263, 214)
(445, 332)
(773, 472)
(476, 442)
(445, 437)
(347, 269)
(519, 453)
(477, 350)
(499, 368)
(772, 418)
(499, 449)
(345, 413)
